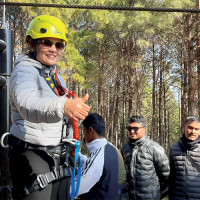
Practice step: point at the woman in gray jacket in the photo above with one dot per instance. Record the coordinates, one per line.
(39, 106)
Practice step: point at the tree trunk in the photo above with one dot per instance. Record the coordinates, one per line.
(153, 130)
(191, 72)
(198, 54)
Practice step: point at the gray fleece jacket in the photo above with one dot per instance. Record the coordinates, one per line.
(36, 111)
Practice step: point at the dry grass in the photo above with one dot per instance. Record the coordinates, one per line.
(166, 198)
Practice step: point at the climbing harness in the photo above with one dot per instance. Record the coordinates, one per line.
(60, 161)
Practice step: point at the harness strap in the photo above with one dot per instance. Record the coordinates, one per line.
(50, 75)
(42, 180)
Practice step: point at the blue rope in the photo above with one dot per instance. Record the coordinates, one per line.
(75, 189)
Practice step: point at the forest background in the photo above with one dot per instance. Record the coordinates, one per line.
(130, 62)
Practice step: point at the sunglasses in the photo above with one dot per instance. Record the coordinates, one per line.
(136, 129)
(48, 43)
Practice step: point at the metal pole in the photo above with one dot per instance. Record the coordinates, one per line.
(6, 62)
(6, 65)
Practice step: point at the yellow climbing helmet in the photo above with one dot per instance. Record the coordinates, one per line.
(46, 26)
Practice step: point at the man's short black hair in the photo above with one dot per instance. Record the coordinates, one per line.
(95, 121)
(191, 119)
(137, 119)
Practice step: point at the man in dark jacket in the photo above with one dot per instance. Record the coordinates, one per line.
(147, 165)
(185, 163)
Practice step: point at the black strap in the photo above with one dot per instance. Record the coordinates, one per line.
(42, 180)
(193, 162)
(184, 150)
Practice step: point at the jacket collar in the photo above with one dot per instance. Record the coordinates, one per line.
(189, 144)
(138, 142)
(97, 143)
(26, 58)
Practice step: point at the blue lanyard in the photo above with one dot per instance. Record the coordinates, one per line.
(75, 189)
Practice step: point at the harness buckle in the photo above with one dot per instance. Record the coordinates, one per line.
(54, 174)
(42, 180)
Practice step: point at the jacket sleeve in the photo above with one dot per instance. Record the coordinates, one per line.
(92, 169)
(161, 163)
(32, 100)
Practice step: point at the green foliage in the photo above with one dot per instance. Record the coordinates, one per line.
(181, 3)
(110, 55)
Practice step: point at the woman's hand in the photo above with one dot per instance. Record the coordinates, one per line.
(76, 108)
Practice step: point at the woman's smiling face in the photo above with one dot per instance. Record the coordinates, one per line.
(48, 55)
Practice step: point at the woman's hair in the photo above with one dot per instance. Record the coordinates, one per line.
(95, 121)
(31, 43)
